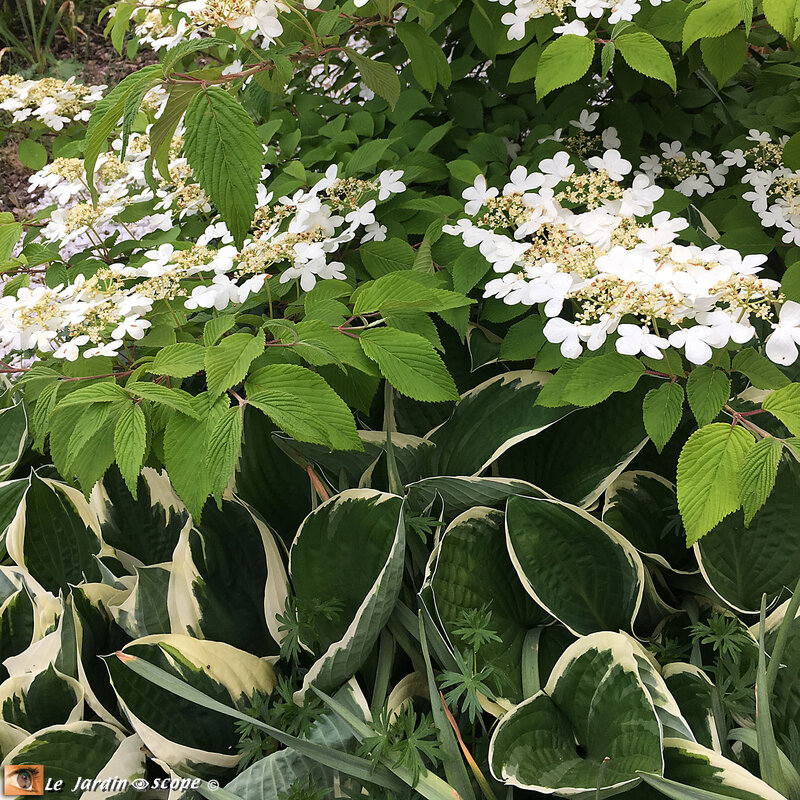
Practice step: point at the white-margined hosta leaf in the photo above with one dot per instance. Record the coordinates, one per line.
(692, 689)
(82, 750)
(470, 568)
(689, 764)
(567, 561)
(642, 507)
(145, 530)
(11, 494)
(488, 420)
(185, 735)
(595, 706)
(55, 535)
(739, 563)
(144, 611)
(13, 437)
(577, 459)
(39, 700)
(459, 494)
(346, 567)
(227, 582)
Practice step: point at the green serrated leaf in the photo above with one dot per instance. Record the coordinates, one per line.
(130, 445)
(757, 475)
(179, 360)
(227, 362)
(708, 390)
(563, 61)
(224, 441)
(662, 411)
(785, 405)
(647, 55)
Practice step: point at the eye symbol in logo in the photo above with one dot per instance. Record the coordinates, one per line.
(23, 779)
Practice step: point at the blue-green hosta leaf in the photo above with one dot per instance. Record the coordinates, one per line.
(13, 437)
(577, 458)
(630, 509)
(86, 750)
(144, 530)
(596, 699)
(691, 766)
(359, 533)
(228, 593)
(566, 560)
(488, 420)
(188, 736)
(144, 611)
(693, 690)
(39, 700)
(55, 535)
(471, 568)
(741, 563)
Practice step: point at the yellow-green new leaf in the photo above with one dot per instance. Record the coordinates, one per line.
(130, 444)
(563, 61)
(647, 55)
(785, 405)
(757, 475)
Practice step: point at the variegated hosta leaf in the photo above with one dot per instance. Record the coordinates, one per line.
(55, 535)
(185, 735)
(568, 562)
(273, 776)
(11, 494)
(346, 567)
(594, 707)
(540, 653)
(353, 469)
(10, 737)
(86, 750)
(691, 764)
(653, 609)
(39, 700)
(740, 564)
(642, 506)
(488, 420)
(227, 582)
(458, 494)
(471, 568)
(145, 530)
(13, 437)
(266, 477)
(578, 458)
(144, 611)
(692, 689)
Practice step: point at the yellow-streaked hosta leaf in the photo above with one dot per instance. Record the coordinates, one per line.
(662, 411)
(595, 703)
(410, 364)
(708, 476)
(708, 390)
(130, 444)
(785, 405)
(564, 61)
(566, 559)
(227, 363)
(757, 475)
(359, 533)
(184, 734)
(179, 360)
(644, 53)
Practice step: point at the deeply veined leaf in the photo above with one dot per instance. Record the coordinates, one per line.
(399, 291)
(725, 55)
(130, 444)
(179, 360)
(782, 15)
(708, 390)
(163, 129)
(662, 411)
(428, 62)
(598, 378)
(757, 475)
(785, 405)
(644, 53)
(563, 61)
(101, 392)
(713, 19)
(760, 371)
(222, 451)
(223, 149)
(410, 364)
(378, 76)
(172, 398)
(708, 476)
(227, 363)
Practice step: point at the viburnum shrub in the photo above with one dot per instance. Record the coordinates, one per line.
(365, 345)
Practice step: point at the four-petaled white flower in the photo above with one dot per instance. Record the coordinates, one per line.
(477, 195)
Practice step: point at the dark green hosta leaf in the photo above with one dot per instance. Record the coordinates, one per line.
(595, 698)
(693, 690)
(188, 736)
(359, 533)
(642, 507)
(224, 152)
(488, 420)
(55, 535)
(38, 700)
(740, 563)
(13, 437)
(577, 458)
(566, 560)
(228, 592)
(81, 750)
(471, 568)
(144, 611)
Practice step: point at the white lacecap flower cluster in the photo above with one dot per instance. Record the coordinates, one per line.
(50, 101)
(617, 265)
(526, 10)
